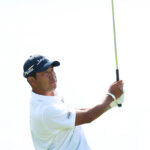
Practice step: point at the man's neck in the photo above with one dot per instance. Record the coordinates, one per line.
(46, 93)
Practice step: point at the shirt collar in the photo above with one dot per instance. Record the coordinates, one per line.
(38, 96)
(35, 96)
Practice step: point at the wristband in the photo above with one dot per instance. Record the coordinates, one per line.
(112, 95)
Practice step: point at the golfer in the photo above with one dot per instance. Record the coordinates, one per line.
(55, 125)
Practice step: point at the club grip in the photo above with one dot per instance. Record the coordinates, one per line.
(117, 74)
(117, 78)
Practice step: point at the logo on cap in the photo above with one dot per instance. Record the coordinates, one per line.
(29, 70)
(40, 60)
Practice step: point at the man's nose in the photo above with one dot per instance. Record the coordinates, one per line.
(51, 74)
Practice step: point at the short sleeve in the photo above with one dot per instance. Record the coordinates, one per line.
(59, 116)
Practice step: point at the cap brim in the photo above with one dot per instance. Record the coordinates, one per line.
(55, 63)
(47, 65)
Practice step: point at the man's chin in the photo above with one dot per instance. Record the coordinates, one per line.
(53, 87)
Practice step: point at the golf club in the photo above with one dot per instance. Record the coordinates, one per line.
(115, 45)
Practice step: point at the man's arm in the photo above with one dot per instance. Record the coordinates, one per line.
(88, 115)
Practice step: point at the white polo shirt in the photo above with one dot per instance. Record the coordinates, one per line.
(52, 124)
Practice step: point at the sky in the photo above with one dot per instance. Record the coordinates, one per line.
(80, 35)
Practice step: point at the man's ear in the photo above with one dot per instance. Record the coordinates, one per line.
(31, 80)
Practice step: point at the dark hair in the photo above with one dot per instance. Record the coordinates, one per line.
(33, 75)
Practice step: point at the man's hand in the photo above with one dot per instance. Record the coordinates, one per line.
(116, 89)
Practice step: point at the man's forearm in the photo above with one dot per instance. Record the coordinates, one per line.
(88, 115)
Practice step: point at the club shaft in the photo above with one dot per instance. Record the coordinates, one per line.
(114, 31)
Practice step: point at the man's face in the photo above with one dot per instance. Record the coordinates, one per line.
(45, 81)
